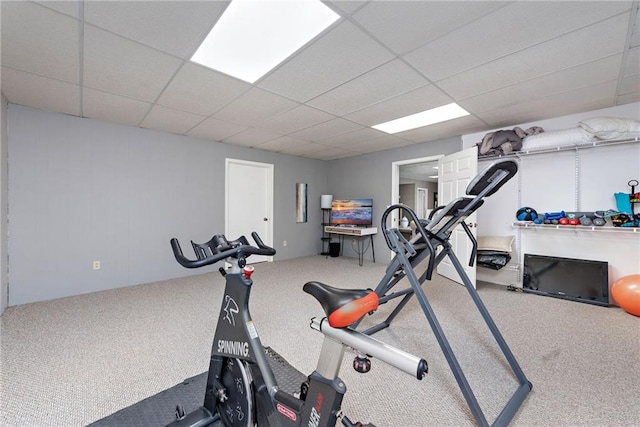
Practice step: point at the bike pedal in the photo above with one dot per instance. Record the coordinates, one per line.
(179, 412)
(361, 364)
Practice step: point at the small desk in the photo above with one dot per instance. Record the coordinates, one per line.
(358, 232)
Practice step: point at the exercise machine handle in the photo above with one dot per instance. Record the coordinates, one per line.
(235, 251)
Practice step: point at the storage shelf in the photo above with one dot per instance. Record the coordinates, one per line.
(592, 144)
(576, 228)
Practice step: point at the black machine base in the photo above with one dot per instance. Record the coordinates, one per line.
(159, 409)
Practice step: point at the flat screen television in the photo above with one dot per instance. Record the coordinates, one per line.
(355, 212)
(573, 279)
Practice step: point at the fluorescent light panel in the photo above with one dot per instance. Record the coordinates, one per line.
(253, 36)
(425, 118)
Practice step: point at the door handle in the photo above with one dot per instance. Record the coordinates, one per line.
(265, 219)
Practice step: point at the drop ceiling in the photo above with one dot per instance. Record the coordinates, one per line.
(504, 62)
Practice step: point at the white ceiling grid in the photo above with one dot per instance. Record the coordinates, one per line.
(505, 62)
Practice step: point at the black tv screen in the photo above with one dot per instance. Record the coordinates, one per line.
(352, 212)
(568, 278)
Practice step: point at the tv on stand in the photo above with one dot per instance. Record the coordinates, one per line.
(352, 212)
(567, 278)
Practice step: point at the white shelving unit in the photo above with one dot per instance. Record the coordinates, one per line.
(576, 228)
(575, 180)
(559, 148)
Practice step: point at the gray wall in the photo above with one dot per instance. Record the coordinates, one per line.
(408, 195)
(82, 190)
(4, 296)
(369, 176)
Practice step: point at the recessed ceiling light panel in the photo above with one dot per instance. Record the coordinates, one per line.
(254, 36)
(425, 118)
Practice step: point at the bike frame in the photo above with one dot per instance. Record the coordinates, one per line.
(237, 338)
(238, 357)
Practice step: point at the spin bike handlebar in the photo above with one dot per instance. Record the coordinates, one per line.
(239, 248)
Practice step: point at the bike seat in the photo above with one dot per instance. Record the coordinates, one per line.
(342, 306)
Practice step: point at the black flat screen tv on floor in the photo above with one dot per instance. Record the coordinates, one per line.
(573, 279)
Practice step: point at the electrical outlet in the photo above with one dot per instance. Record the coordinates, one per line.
(284, 243)
(96, 265)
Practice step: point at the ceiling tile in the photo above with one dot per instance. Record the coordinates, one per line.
(296, 119)
(201, 90)
(175, 27)
(306, 149)
(326, 130)
(170, 120)
(113, 108)
(335, 58)
(40, 92)
(215, 130)
(459, 126)
(346, 139)
(386, 142)
(628, 98)
(403, 26)
(415, 101)
(603, 39)
(114, 64)
(632, 64)
(254, 106)
(41, 41)
(282, 143)
(568, 79)
(251, 137)
(68, 7)
(483, 41)
(566, 103)
(386, 81)
(506, 62)
(331, 153)
(346, 6)
(630, 85)
(635, 36)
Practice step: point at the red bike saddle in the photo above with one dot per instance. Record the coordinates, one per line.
(342, 306)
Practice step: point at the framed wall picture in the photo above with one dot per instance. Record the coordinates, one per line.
(301, 202)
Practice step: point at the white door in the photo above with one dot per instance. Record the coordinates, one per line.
(249, 202)
(422, 196)
(454, 174)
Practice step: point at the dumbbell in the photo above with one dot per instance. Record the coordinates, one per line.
(586, 221)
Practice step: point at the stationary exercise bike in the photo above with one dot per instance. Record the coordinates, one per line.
(241, 387)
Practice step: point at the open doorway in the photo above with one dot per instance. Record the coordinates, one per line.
(414, 179)
(419, 187)
(415, 184)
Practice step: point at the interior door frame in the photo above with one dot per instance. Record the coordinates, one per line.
(267, 239)
(395, 183)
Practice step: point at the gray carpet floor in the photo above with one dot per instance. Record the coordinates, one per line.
(72, 361)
